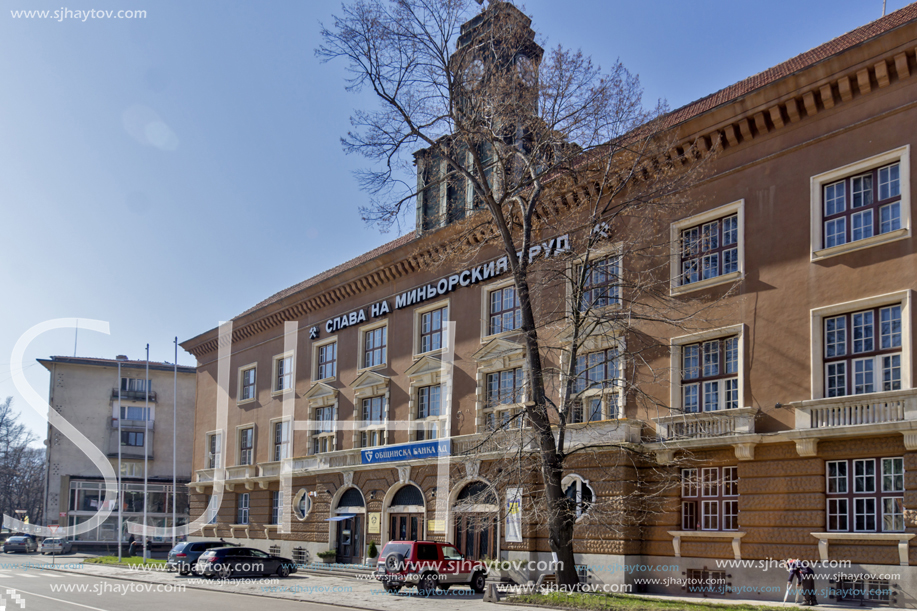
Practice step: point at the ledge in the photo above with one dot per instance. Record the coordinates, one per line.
(876, 240)
(902, 538)
(243, 527)
(736, 536)
(705, 284)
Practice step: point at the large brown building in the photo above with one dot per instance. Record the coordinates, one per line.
(798, 413)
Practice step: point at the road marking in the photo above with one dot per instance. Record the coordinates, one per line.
(61, 600)
(26, 575)
(4, 575)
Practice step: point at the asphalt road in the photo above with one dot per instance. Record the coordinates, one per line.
(25, 586)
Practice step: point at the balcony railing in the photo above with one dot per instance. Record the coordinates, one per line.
(855, 410)
(738, 421)
(132, 395)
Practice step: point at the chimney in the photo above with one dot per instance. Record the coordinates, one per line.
(121, 357)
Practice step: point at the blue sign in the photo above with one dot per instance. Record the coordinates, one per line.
(408, 451)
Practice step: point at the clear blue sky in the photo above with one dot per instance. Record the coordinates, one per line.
(167, 173)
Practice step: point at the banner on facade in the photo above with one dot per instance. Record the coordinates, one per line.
(514, 515)
(408, 451)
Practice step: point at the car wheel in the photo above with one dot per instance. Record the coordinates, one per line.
(391, 587)
(224, 572)
(427, 584)
(478, 582)
(283, 570)
(394, 563)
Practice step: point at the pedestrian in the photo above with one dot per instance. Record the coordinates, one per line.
(808, 585)
(793, 567)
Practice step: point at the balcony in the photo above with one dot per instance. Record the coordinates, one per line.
(704, 425)
(132, 395)
(134, 425)
(857, 410)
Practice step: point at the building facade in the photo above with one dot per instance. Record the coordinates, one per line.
(790, 426)
(87, 391)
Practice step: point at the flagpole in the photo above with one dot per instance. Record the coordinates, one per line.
(146, 454)
(174, 431)
(120, 504)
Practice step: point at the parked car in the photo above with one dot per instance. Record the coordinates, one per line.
(20, 544)
(55, 546)
(226, 562)
(183, 557)
(427, 565)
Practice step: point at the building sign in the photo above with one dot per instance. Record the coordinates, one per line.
(514, 515)
(436, 526)
(408, 451)
(373, 523)
(468, 277)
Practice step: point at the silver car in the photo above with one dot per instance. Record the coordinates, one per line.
(20, 544)
(55, 546)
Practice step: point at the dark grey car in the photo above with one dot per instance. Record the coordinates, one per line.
(20, 544)
(226, 562)
(183, 557)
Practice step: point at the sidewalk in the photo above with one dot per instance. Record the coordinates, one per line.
(361, 593)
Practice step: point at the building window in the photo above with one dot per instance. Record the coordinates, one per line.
(861, 204)
(709, 499)
(601, 283)
(302, 504)
(431, 329)
(504, 312)
(136, 385)
(371, 439)
(132, 439)
(276, 506)
(372, 417)
(246, 445)
(504, 394)
(327, 361)
(248, 384)
(595, 373)
(281, 440)
(323, 435)
(865, 495)
(283, 373)
(242, 508)
(374, 346)
(580, 494)
(862, 351)
(710, 375)
(710, 249)
(214, 455)
(136, 412)
(429, 402)
(131, 469)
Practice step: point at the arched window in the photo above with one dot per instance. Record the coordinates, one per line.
(578, 490)
(477, 493)
(408, 495)
(351, 498)
(302, 504)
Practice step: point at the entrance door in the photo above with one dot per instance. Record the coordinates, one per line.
(350, 540)
(476, 535)
(405, 527)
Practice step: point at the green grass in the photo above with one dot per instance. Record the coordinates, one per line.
(603, 602)
(125, 560)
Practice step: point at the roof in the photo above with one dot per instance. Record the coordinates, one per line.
(89, 360)
(343, 267)
(795, 64)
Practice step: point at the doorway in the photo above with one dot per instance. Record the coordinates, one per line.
(350, 540)
(476, 535)
(405, 526)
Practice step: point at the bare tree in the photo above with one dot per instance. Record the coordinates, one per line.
(516, 142)
(21, 467)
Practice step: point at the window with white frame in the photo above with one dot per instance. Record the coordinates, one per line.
(136, 385)
(247, 383)
(710, 375)
(862, 351)
(137, 412)
(595, 373)
(504, 397)
(599, 284)
(865, 495)
(327, 360)
(281, 436)
(276, 506)
(132, 438)
(302, 504)
(131, 469)
(709, 498)
(373, 419)
(429, 408)
(503, 310)
(214, 450)
(283, 373)
(708, 248)
(242, 507)
(323, 433)
(431, 329)
(861, 204)
(375, 344)
(246, 445)
(579, 493)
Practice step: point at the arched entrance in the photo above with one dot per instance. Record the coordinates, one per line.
(475, 521)
(348, 521)
(406, 512)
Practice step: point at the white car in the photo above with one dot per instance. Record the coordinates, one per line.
(55, 546)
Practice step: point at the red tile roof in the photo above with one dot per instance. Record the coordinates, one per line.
(795, 64)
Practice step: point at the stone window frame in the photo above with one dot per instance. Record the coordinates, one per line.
(239, 429)
(361, 347)
(597, 253)
(418, 318)
(694, 495)
(878, 494)
(817, 337)
(817, 186)
(571, 478)
(246, 507)
(427, 371)
(486, 290)
(276, 507)
(676, 405)
(301, 494)
(328, 399)
(240, 372)
(276, 360)
(380, 387)
(496, 365)
(273, 436)
(316, 346)
(208, 444)
(676, 287)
